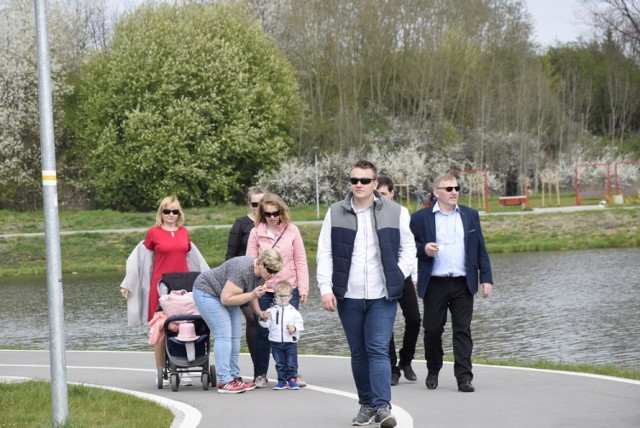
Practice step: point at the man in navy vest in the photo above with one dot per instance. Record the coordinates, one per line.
(365, 251)
(453, 264)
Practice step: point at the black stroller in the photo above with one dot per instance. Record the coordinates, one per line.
(185, 357)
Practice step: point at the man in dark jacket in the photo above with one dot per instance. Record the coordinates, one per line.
(452, 256)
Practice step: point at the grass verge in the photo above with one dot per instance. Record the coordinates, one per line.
(606, 370)
(108, 250)
(28, 404)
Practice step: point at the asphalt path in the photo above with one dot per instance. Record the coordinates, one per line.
(505, 396)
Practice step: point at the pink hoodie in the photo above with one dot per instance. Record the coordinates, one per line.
(291, 248)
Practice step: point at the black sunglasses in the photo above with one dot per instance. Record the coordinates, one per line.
(273, 214)
(363, 180)
(167, 212)
(450, 188)
(255, 204)
(271, 271)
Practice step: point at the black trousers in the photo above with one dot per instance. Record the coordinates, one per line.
(448, 293)
(411, 313)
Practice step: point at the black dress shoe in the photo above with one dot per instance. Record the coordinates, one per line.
(395, 375)
(432, 381)
(408, 372)
(466, 387)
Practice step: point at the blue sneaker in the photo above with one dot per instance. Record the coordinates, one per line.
(280, 385)
(293, 384)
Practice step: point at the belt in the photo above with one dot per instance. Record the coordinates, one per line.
(448, 278)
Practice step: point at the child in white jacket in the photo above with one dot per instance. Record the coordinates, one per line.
(284, 324)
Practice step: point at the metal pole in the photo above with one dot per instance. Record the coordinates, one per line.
(315, 157)
(59, 396)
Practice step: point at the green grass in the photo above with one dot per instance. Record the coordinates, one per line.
(606, 370)
(108, 251)
(28, 404)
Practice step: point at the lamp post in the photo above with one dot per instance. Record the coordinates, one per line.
(315, 158)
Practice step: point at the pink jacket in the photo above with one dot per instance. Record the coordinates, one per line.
(290, 247)
(156, 324)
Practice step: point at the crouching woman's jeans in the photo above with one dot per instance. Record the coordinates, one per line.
(225, 323)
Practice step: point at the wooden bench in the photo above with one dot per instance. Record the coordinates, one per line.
(512, 200)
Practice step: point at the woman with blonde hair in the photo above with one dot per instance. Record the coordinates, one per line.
(219, 293)
(166, 248)
(275, 230)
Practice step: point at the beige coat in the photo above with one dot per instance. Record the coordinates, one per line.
(138, 277)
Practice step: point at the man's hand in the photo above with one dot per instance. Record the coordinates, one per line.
(329, 302)
(485, 288)
(431, 249)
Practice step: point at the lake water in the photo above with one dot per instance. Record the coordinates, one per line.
(576, 306)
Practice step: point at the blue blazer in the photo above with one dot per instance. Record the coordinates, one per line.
(477, 264)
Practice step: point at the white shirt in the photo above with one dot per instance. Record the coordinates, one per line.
(366, 276)
(450, 258)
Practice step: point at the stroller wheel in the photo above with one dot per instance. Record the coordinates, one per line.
(213, 377)
(205, 380)
(175, 381)
(160, 378)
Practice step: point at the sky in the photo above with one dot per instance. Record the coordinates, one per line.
(554, 20)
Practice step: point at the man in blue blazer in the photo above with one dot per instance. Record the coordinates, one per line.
(452, 261)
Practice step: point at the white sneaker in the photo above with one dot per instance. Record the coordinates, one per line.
(261, 381)
(301, 382)
(186, 380)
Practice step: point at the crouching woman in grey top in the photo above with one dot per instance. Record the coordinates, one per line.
(218, 294)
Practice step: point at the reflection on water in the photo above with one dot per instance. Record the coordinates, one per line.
(579, 307)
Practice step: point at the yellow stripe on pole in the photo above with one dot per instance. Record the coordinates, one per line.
(49, 178)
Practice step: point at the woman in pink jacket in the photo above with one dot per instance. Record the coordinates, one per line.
(275, 230)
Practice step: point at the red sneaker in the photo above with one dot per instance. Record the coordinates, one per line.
(247, 385)
(233, 387)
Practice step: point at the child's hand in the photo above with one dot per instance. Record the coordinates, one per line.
(291, 328)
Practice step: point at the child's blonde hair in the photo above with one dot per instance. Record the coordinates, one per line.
(284, 287)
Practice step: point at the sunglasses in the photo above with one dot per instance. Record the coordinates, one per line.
(450, 188)
(167, 212)
(271, 271)
(272, 214)
(363, 180)
(255, 204)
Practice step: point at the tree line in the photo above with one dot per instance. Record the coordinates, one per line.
(204, 98)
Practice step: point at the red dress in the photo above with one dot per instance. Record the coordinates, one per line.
(169, 255)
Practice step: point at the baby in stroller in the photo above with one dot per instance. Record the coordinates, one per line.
(187, 343)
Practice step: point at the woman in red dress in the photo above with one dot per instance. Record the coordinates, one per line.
(170, 243)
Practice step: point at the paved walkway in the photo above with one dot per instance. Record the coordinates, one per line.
(504, 397)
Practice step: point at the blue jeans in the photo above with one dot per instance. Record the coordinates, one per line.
(225, 323)
(263, 345)
(368, 325)
(286, 356)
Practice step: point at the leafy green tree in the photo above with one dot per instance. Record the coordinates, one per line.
(191, 100)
